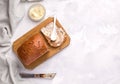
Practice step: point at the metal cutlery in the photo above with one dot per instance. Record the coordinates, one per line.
(30, 0)
(45, 76)
(54, 32)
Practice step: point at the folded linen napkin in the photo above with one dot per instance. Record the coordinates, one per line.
(11, 14)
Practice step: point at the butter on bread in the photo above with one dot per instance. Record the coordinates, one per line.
(47, 31)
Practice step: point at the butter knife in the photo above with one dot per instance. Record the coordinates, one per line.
(45, 76)
(30, 0)
(54, 32)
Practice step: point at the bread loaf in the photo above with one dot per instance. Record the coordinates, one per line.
(32, 49)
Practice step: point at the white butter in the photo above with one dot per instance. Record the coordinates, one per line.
(36, 12)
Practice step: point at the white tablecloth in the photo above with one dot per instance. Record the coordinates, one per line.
(93, 56)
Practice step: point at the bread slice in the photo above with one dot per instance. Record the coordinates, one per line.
(61, 35)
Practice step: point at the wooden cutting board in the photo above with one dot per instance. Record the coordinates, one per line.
(52, 50)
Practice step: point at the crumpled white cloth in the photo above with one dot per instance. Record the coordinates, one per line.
(11, 13)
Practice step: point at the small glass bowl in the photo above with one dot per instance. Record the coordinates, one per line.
(36, 12)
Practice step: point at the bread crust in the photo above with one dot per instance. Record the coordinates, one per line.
(32, 49)
(61, 35)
